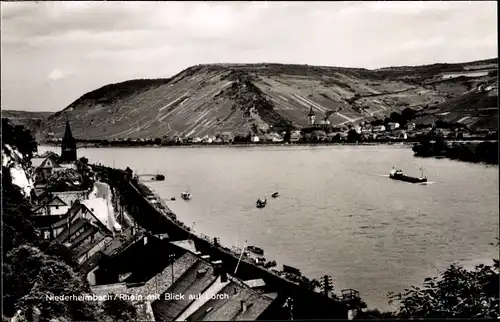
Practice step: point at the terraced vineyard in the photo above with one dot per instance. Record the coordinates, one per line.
(212, 99)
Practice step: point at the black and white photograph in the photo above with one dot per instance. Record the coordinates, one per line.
(249, 160)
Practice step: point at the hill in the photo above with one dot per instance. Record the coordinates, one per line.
(242, 98)
(35, 121)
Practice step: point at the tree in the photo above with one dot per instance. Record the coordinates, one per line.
(353, 136)
(377, 122)
(59, 252)
(287, 137)
(19, 137)
(119, 309)
(395, 117)
(17, 229)
(456, 293)
(31, 277)
(408, 114)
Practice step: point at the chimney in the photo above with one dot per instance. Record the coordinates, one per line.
(223, 275)
(243, 306)
(220, 271)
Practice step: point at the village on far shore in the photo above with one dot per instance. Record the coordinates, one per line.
(392, 129)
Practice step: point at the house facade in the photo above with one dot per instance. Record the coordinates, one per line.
(44, 167)
(54, 206)
(77, 211)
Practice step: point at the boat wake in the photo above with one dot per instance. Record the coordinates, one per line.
(380, 175)
(426, 183)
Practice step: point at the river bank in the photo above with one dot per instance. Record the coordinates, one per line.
(473, 152)
(405, 144)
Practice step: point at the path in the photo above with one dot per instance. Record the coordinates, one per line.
(102, 190)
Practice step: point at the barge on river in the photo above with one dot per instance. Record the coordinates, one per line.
(399, 175)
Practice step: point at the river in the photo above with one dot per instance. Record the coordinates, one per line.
(337, 214)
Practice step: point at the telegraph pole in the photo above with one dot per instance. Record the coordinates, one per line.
(172, 260)
(326, 284)
(191, 231)
(239, 260)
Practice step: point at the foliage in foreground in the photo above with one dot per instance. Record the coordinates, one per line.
(456, 293)
(119, 310)
(34, 270)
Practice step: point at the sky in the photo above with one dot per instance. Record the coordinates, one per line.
(54, 52)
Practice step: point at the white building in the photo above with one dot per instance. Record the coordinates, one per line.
(379, 128)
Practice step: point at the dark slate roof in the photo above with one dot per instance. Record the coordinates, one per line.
(225, 309)
(82, 249)
(65, 235)
(51, 221)
(91, 263)
(89, 231)
(193, 282)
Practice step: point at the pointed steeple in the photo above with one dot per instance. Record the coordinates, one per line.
(68, 147)
(311, 113)
(68, 136)
(311, 117)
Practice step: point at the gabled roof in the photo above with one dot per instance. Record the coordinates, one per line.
(193, 282)
(77, 246)
(224, 309)
(66, 234)
(180, 266)
(73, 212)
(54, 201)
(44, 162)
(49, 153)
(99, 209)
(82, 248)
(37, 162)
(68, 217)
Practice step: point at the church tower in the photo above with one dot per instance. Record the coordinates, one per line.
(68, 147)
(311, 117)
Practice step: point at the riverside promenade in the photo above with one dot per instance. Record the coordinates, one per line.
(151, 213)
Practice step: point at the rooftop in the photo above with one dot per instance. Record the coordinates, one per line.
(235, 302)
(259, 282)
(155, 285)
(75, 226)
(193, 282)
(99, 207)
(39, 161)
(80, 247)
(192, 277)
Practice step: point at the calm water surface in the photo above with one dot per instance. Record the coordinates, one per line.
(337, 214)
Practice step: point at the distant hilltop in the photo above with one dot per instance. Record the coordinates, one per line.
(261, 98)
